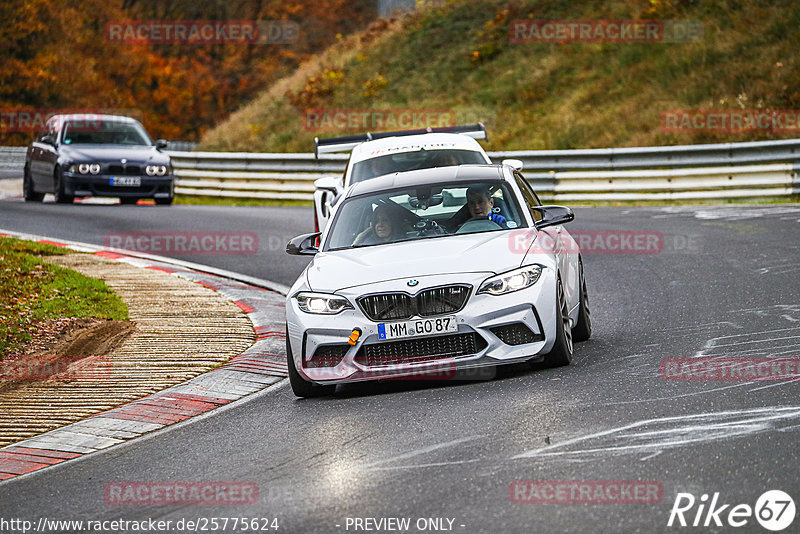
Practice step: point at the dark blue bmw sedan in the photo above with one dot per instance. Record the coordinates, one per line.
(97, 155)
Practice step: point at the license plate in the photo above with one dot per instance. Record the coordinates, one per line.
(126, 181)
(418, 327)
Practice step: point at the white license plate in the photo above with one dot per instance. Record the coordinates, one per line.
(126, 181)
(417, 327)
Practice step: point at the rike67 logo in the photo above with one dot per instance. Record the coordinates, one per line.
(774, 510)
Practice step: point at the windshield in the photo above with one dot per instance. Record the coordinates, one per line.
(410, 161)
(424, 212)
(104, 132)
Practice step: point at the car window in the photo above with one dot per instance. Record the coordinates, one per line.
(430, 211)
(530, 197)
(50, 128)
(104, 132)
(409, 161)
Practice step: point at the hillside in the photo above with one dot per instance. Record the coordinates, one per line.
(456, 55)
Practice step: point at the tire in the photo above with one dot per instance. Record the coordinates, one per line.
(58, 190)
(583, 328)
(128, 200)
(164, 201)
(27, 188)
(561, 353)
(300, 386)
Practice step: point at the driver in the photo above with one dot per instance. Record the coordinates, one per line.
(381, 229)
(480, 204)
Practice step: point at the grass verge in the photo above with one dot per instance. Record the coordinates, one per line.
(32, 290)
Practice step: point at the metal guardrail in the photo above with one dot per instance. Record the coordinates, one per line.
(12, 158)
(658, 157)
(252, 175)
(689, 172)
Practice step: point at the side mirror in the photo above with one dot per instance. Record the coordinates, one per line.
(48, 140)
(330, 184)
(161, 144)
(553, 215)
(515, 163)
(303, 245)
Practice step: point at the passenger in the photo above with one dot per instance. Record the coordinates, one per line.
(480, 204)
(381, 229)
(446, 159)
(381, 165)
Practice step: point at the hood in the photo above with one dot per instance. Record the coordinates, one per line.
(489, 252)
(108, 153)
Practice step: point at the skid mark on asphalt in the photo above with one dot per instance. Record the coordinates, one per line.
(781, 267)
(418, 452)
(767, 343)
(680, 396)
(779, 384)
(724, 213)
(651, 436)
(707, 327)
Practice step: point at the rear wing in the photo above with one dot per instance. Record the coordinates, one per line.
(343, 144)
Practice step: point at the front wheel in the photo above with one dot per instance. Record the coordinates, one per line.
(59, 191)
(561, 353)
(583, 328)
(27, 187)
(300, 386)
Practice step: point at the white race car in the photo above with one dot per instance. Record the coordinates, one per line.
(376, 154)
(452, 268)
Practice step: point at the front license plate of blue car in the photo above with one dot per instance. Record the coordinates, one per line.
(126, 181)
(418, 327)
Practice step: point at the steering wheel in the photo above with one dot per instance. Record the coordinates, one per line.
(426, 227)
(478, 225)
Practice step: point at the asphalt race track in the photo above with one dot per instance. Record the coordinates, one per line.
(722, 282)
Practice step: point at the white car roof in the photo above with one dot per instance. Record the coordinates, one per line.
(411, 143)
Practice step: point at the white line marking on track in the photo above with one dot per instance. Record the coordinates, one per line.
(656, 435)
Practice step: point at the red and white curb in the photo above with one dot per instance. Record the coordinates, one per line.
(257, 368)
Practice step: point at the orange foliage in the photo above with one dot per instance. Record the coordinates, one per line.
(56, 55)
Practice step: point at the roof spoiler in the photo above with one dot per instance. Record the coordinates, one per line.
(343, 144)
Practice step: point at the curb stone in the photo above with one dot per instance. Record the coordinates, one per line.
(255, 369)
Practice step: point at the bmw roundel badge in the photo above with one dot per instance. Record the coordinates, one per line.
(412, 283)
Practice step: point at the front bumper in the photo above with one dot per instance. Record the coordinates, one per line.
(82, 185)
(533, 307)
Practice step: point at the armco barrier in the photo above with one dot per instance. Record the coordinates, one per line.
(688, 172)
(12, 159)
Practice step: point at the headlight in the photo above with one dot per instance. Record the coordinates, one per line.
(94, 168)
(155, 170)
(511, 281)
(83, 168)
(321, 303)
